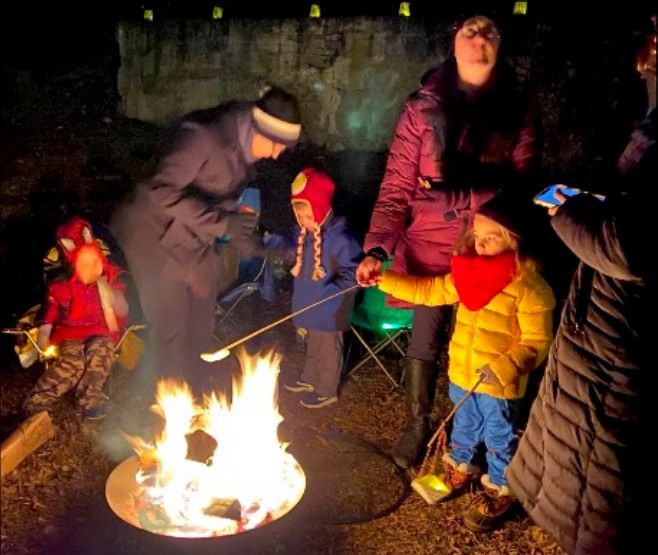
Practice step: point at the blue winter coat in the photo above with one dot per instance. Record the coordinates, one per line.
(341, 253)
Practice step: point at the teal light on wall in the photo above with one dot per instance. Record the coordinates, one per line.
(354, 121)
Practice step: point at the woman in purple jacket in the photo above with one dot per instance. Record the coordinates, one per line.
(465, 134)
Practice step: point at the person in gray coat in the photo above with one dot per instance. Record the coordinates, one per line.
(582, 467)
(168, 229)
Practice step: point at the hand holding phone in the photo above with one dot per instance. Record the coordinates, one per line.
(553, 195)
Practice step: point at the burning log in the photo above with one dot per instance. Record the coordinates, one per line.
(225, 508)
(28, 437)
(200, 446)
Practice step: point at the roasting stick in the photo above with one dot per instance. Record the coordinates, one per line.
(226, 351)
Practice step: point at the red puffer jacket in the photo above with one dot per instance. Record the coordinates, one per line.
(449, 155)
(75, 309)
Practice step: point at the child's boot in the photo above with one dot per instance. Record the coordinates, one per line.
(458, 476)
(491, 507)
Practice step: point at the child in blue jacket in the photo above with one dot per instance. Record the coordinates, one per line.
(327, 255)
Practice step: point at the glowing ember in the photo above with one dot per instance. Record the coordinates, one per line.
(247, 478)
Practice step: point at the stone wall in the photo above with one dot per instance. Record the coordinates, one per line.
(351, 75)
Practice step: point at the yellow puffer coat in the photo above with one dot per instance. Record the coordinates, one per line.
(511, 334)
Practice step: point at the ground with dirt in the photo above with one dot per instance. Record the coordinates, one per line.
(54, 502)
(75, 154)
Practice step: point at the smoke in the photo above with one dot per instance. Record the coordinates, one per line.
(131, 395)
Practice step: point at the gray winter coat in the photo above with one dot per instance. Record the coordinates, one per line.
(581, 469)
(173, 219)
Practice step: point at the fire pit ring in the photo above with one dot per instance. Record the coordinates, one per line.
(121, 488)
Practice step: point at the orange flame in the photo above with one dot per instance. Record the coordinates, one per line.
(249, 465)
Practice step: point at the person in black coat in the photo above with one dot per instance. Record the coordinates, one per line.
(581, 469)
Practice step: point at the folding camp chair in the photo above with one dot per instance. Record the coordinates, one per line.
(237, 279)
(127, 351)
(234, 296)
(385, 324)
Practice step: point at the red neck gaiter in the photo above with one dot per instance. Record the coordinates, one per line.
(478, 279)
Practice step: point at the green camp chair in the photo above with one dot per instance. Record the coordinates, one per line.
(386, 325)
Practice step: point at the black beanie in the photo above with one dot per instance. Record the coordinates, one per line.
(507, 210)
(276, 115)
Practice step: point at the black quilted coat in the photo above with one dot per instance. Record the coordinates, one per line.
(582, 469)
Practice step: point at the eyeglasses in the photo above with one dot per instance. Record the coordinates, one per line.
(487, 33)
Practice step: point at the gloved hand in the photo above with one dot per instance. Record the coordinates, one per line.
(488, 375)
(240, 225)
(47, 350)
(43, 338)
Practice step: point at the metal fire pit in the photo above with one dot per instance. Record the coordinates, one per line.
(121, 489)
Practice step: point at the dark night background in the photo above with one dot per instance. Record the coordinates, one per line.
(73, 31)
(46, 43)
(65, 149)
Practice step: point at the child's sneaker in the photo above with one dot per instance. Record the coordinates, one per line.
(95, 412)
(313, 401)
(491, 507)
(297, 386)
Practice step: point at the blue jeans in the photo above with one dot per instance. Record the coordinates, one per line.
(484, 418)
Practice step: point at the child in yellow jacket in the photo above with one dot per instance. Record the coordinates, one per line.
(502, 332)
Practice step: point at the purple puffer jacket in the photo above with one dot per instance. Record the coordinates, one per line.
(448, 156)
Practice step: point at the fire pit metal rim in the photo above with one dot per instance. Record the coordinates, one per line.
(121, 485)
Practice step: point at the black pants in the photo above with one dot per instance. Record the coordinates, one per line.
(428, 330)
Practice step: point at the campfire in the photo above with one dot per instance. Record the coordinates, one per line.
(243, 478)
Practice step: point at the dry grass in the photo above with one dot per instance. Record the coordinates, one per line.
(53, 503)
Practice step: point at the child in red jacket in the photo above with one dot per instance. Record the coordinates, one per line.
(84, 316)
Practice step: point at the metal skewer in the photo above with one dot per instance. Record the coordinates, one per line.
(226, 351)
(19, 331)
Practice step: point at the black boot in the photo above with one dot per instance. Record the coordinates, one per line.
(419, 387)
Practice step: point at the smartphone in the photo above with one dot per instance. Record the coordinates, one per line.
(547, 196)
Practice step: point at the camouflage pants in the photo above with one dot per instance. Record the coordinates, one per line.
(84, 365)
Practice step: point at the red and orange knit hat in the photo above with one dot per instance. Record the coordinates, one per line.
(316, 189)
(73, 234)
